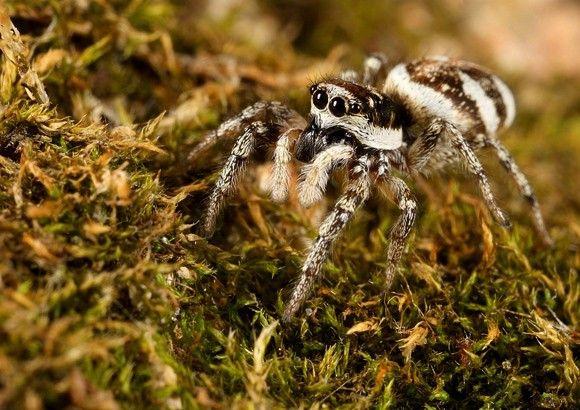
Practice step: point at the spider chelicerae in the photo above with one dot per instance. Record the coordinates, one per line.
(427, 114)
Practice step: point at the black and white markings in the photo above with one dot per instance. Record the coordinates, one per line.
(388, 136)
(461, 93)
(429, 113)
(230, 173)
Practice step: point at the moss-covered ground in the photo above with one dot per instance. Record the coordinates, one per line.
(108, 298)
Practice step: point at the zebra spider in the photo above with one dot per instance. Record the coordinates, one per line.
(429, 113)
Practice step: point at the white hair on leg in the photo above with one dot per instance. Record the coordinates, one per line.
(349, 75)
(315, 175)
(280, 178)
(372, 67)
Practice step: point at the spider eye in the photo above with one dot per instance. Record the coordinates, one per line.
(320, 99)
(354, 108)
(337, 107)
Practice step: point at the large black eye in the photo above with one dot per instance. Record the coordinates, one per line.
(319, 99)
(337, 107)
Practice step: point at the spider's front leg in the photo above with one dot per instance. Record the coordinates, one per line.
(357, 191)
(230, 173)
(233, 126)
(262, 122)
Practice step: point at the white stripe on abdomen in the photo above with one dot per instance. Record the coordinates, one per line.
(423, 100)
(485, 105)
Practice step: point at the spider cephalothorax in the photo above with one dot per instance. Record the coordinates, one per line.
(427, 114)
(346, 112)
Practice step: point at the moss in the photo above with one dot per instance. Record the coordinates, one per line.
(108, 296)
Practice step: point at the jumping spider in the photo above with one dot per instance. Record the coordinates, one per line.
(429, 113)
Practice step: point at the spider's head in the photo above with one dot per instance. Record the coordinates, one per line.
(349, 113)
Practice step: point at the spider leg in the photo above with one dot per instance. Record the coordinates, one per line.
(243, 148)
(400, 194)
(354, 196)
(421, 150)
(475, 167)
(261, 111)
(315, 174)
(350, 75)
(373, 65)
(523, 185)
(258, 122)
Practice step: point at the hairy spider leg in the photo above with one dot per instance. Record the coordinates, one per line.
(399, 193)
(350, 75)
(373, 65)
(357, 191)
(266, 111)
(475, 167)
(229, 127)
(245, 145)
(420, 151)
(258, 122)
(427, 142)
(523, 185)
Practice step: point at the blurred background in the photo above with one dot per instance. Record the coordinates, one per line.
(535, 38)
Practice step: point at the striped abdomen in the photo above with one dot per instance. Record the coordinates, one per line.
(474, 100)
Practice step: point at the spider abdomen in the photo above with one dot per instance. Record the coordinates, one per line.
(464, 94)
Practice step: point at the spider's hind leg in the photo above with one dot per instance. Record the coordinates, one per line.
(350, 75)
(421, 150)
(374, 66)
(523, 186)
